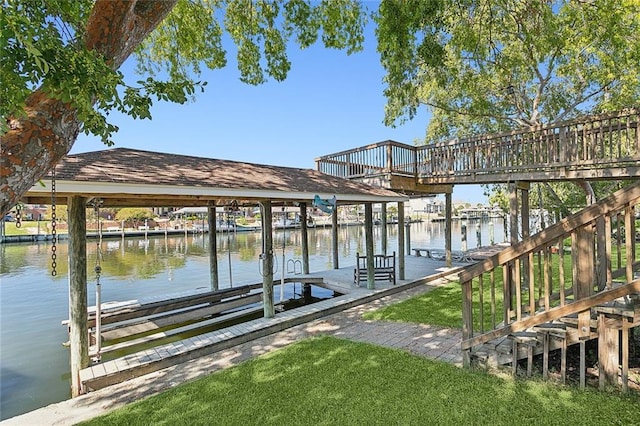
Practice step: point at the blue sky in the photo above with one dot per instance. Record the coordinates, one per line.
(329, 102)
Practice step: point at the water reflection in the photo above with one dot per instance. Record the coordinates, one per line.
(34, 366)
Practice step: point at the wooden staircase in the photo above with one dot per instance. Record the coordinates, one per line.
(578, 278)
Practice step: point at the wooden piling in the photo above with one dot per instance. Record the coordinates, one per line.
(334, 237)
(213, 248)
(305, 238)
(383, 227)
(267, 260)
(78, 329)
(368, 236)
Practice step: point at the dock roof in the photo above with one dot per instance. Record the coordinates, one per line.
(129, 177)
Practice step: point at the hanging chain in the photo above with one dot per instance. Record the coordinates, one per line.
(54, 235)
(98, 268)
(18, 215)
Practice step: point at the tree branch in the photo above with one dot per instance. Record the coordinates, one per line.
(38, 140)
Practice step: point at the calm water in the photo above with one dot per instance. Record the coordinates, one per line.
(35, 366)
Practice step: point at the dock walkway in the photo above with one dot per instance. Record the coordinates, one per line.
(340, 317)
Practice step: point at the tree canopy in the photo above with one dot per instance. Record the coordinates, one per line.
(60, 62)
(490, 65)
(478, 65)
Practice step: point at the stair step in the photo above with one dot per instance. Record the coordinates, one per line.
(553, 328)
(628, 310)
(572, 321)
(524, 337)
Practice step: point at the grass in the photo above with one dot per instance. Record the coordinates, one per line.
(329, 381)
(440, 306)
(443, 305)
(26, 228)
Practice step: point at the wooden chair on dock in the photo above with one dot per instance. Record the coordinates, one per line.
(384, 267)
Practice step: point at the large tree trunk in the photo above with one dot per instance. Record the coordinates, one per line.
(38, 140)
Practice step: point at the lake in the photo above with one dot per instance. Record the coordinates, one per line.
(34, 364)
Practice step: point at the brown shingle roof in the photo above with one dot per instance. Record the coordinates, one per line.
(121, 168)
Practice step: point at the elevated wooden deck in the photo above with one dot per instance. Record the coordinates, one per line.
(599, 147)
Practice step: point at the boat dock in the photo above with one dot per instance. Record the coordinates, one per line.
(419, 271)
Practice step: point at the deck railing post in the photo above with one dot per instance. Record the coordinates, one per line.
(401, 242)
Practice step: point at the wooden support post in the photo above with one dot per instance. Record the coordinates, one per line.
(368, 236)
(513, 213)
(383, 227)
(78, 328)
(213, 248)
(447, 228)
(524, 208)
(601, 259)
(527, 280)
(608, 347)
(563, 360)
(407, 238)
(529, 359)
(582, 253)
(545, 355)
(401, 240)
(583, 366)
(305, 238)
(267, 260)
(463, 236)
(629, 241)
(514, 357)
(306, 293)
(625, 354)
(334, 237)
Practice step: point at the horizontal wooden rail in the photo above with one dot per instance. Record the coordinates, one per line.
(553, 314)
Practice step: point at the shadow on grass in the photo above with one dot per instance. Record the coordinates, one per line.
(338, 382)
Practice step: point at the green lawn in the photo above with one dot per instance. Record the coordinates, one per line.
(329, 381)
(440, 306)
(26, 227)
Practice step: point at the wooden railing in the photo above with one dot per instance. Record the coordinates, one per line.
(537, 276)
(371, 160)
(603, 146)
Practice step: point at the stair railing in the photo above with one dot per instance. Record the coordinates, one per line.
(582, 256)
